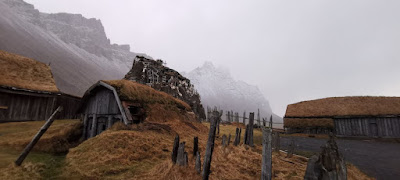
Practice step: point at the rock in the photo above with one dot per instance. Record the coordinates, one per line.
(155, 74)
(329, 165)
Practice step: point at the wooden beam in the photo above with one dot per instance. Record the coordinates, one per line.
(35, 139)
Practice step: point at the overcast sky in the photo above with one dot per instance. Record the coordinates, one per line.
(293, 50)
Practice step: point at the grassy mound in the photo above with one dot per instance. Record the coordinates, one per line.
(61, 135)
(136, 92)
(143, 152)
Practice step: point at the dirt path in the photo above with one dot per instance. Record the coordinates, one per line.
(377, 159)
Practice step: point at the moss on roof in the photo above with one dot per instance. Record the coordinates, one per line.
(345, 106)
(132, 91)
(25, 73)
(308, 122)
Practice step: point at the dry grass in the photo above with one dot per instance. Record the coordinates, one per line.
(61, 135)
(308, 122)
(142, 152)
(345, 106)
(21, 72)
(27, 170)
(136, 92)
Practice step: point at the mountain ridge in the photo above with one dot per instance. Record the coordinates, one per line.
(77, 48)
(218, 88)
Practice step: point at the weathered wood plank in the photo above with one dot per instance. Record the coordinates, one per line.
(266, 167)
(36, 138)
(210, 145)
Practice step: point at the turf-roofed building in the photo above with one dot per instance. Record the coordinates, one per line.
(128, 102)
(346, 116)
(28, 91)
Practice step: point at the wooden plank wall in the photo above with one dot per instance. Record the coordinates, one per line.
(370, 127)
(102, 109)
(70, 105)
(25, 107)
(34, 107)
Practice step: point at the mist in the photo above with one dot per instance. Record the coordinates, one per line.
(292, 50)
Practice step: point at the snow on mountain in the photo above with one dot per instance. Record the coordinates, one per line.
(218, 88)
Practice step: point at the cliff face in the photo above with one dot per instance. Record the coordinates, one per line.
(153, 73)
(76, 47)
(218, 88)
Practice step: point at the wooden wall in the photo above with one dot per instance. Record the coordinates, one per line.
(100, 111)
(370, 127)
(29, 106)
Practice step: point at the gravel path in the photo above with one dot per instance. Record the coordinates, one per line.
(377, 159)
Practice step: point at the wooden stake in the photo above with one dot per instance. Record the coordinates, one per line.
(37, 137)
(266, 167)
(210, 145)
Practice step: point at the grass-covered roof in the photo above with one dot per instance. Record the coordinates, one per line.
(345, 106)
(25, 73)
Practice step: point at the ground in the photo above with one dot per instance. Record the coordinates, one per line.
(377, 159)
(140, 152)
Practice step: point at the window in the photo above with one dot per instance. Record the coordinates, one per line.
(134, 110)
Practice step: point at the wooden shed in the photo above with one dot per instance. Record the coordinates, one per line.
(108, 102)
(28, 91)
(362, 116)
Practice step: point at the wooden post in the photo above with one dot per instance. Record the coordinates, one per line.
(195, 146)
(198, 162)
(224, 139)
(258, 118)
(229, 116)
(210, 145)
(246, 134)
(229, 139)
(276, 141)
(266, 167)
(232, 116)
(270, 122)
(37, 137)
(236, 142)
(180, 160)
(240, 134)
(85, 119)
(109, 121)
(264, 122)
(249, 140)
(94, 126)
(244, 118)
(218, 122)
(174, 154)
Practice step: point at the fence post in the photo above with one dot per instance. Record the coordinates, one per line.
(266, 167)
(244, 118)
(210, 145)
(195, 146)
(175, 147)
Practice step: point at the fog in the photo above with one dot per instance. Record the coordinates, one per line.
(292, 50)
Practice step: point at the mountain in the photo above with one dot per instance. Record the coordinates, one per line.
(218, 88)
(76, 48)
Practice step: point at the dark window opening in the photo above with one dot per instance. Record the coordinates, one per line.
(134, 110)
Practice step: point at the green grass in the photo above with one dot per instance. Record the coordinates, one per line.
(51, 164)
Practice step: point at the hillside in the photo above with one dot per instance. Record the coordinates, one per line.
(76, 48)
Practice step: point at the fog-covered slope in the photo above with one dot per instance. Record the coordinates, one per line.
(218, 88)
(76, 48)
